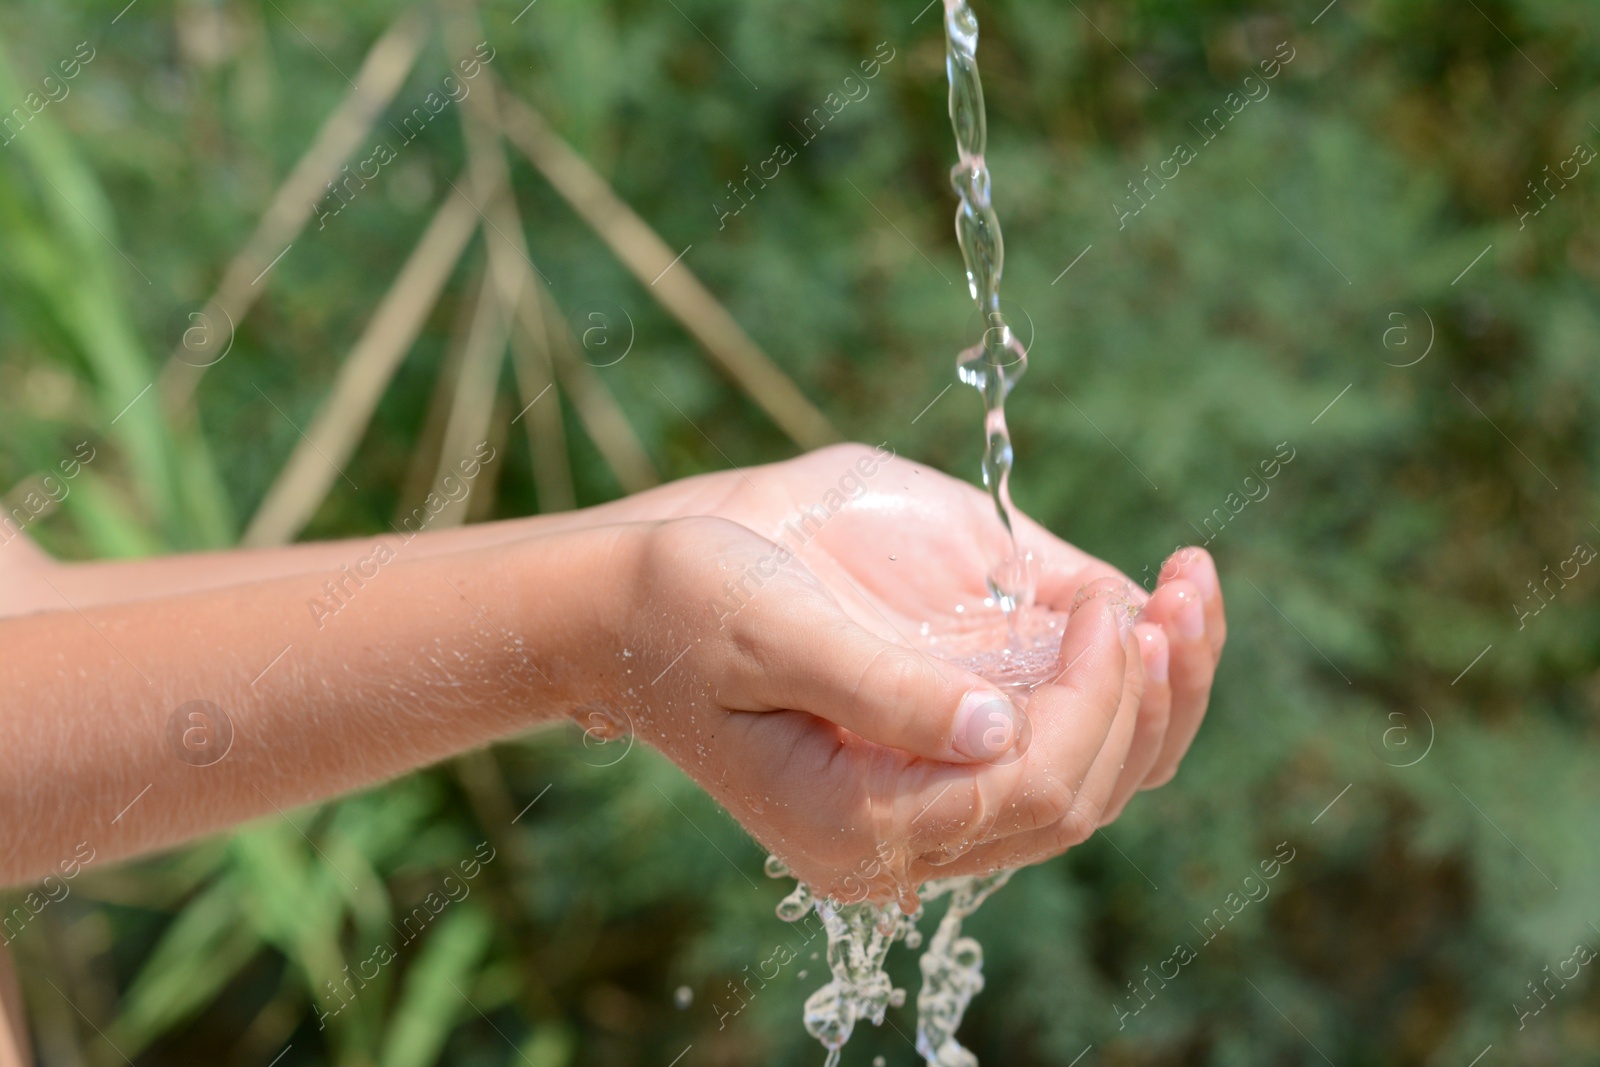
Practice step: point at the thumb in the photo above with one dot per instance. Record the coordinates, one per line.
(822, 663)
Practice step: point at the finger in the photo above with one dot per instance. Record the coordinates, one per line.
(1072, 719)
(1196, 565)
(1064, 569)
(1093, 805)
(1057, 589)
(1155, 708)
(1003, 854)
(801, 652)
(1179, 610)
(1087, 804)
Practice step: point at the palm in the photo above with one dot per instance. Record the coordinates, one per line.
(903, 551)
(897, 547)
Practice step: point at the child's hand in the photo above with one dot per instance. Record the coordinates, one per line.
(782, 677)
(788, 687)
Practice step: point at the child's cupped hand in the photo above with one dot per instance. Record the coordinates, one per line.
(772, 652)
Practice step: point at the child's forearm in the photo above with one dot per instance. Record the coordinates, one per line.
(29, 582)
(102, 739)
(102, 582)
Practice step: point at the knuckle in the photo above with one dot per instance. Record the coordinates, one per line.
(1199, 678)
(1154, 720)
(1079, 824)
(849, 451)
(1159, 777)
(894, 678)
(1058, 838)
(750, 657)
(669, 538)
(1050, 805)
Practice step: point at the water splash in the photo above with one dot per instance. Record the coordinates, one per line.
(861, 932)
(860, 935)
(952, 971)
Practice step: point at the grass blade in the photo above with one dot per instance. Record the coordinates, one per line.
(436, 988)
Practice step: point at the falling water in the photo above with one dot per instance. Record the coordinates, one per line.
(861, 933)
(994, 364)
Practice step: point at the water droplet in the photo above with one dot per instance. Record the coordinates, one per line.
(794, 907)
(683, 997)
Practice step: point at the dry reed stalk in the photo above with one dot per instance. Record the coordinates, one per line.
(382, 73)
(472, 404)
(305, 479)
(508, 265)
(661, 271)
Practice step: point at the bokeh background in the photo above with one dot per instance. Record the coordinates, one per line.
(1351, 272)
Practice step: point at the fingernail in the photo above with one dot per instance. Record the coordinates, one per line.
(1174, 566)
(1191, 615)
(1155, 655)
(1122, 614)
(1204, 576)
(986, 725)
(1120, 601)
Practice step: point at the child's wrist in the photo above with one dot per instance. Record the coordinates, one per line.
(571, 596)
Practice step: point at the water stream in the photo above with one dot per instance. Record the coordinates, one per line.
(1020, 655)
(994, 364)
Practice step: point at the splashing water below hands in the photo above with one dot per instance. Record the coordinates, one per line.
(860, 933)
(859, 938)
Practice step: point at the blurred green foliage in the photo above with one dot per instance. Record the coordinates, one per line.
(1307, 254)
